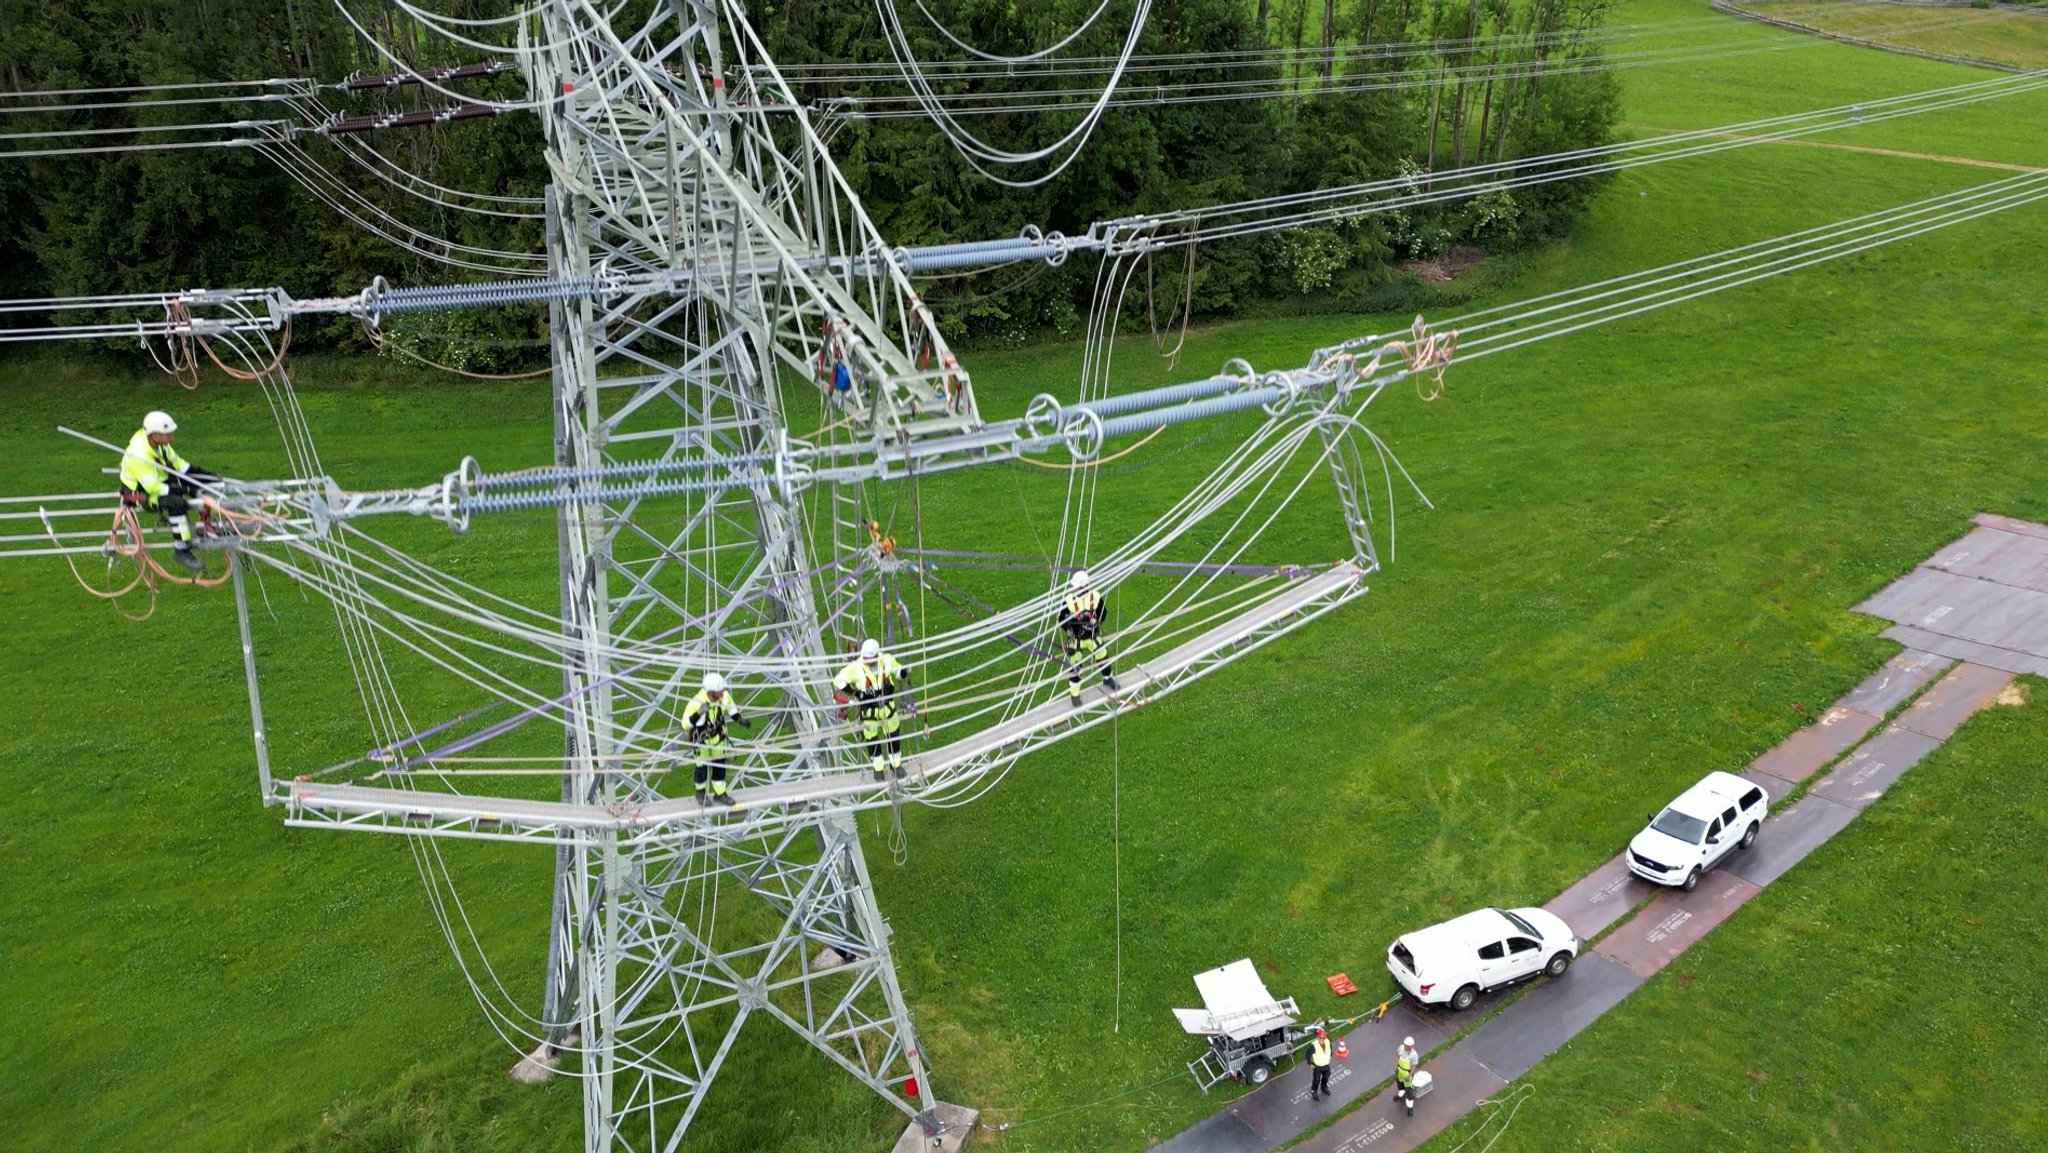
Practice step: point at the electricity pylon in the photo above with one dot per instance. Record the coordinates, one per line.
(672, 153)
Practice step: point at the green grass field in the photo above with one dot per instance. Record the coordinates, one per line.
(2002, 37)
(1882, 995)
(1647, 541)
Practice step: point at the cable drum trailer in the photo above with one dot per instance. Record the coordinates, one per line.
(1251, 1032)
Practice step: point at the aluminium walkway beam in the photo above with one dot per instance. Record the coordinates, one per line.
(422, 812)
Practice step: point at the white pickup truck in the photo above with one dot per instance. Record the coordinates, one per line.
(1452, 963)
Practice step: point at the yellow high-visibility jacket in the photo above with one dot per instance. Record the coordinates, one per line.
(871, 684)
(144, 466)
(704, 713)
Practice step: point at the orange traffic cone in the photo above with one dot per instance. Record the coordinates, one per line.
(1343, 1050)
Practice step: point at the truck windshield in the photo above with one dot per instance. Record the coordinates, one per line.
(1677, 825)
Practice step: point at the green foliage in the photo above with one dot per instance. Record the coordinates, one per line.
(149, 220)
(1365, 123)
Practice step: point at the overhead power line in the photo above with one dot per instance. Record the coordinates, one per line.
(868, 71)
(892, 106)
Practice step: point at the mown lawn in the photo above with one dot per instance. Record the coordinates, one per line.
(1647, 541)
(1885, 994)
(2001, 37)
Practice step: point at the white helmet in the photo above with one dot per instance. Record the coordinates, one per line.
(159, 422)
(1080, 581)
(1407, 1042)
(870, 649)
(713, 683)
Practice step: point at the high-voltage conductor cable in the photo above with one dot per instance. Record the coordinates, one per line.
(1575, 309)
(1191, 226)
(1210, 91)
(865, 71)
(398, 62)
(298, 87)
(995, 58)
(978, 153)
(1749, 263)
(890, 107)
(374, 218)
(399, 176)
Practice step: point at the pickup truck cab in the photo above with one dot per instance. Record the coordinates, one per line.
(1452, 963)
(1714, 818)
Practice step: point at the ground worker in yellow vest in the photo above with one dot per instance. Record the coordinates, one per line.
(154, 476)
(1081, 640)
(1319, 1065)
(870, 686)
(706, 718)
(1406, 1062)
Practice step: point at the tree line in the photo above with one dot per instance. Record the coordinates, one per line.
(1445, 84)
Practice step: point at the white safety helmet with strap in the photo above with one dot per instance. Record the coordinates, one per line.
(714, 683)
(1080, 581)
(870, 649)
(159, 422)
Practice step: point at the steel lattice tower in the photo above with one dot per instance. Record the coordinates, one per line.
(670, 158)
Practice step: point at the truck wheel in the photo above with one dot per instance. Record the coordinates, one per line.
(1463, 998)
(1749, 837)
(1559, 962)
(1692, 881)
(1256, 1071)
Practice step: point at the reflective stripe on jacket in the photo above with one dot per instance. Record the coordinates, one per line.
(145, 466)
(866, 682)
(704, 713)
(1088, 603)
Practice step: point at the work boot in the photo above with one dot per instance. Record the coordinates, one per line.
(881, 773)
(703, 795)
(1109, 681)
(1075, 700)
(187, 559)
(724, 798)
